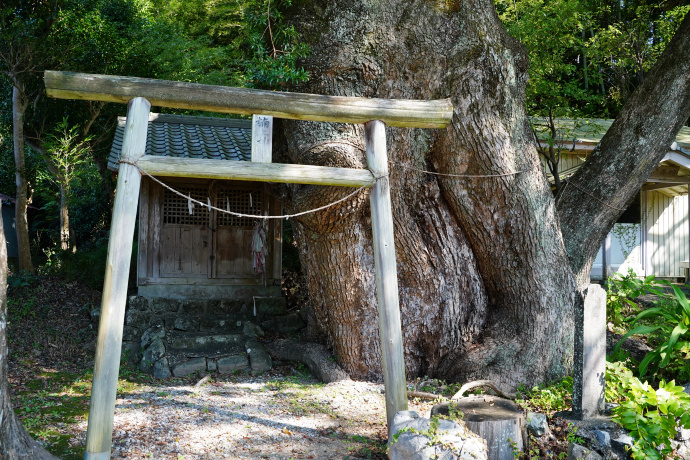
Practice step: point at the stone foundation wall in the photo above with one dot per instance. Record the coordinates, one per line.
(178, 337)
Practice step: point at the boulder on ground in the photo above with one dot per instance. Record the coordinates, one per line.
(578, 452)
(417, 438)
(536, 424)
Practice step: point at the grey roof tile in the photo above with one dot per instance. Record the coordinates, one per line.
(190, 137)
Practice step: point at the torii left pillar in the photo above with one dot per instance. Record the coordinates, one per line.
(99, 435)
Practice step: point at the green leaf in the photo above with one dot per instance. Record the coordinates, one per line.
(682, 300)
(679, 330)
(647, 359)
(637, 330)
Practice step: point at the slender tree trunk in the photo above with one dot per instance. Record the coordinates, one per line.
(604, 186)
(15, 442)
(485, 286)
(19, 105)
(65, 234)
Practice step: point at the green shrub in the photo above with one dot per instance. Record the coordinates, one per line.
(618, 377)
(547, 399)
(669, 319)
(652, 417)
(86, 265)
(621, 294)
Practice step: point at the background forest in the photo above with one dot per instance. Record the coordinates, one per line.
(586, 57)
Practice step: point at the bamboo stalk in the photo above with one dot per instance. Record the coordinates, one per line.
(296, 106)
(390, 330)
(104, 391)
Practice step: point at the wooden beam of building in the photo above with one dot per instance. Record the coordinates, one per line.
(296, 106)
(666, 174)
(652, 186)
(250, 171)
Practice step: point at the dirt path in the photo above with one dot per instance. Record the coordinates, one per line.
(284, 414)
(272, 417)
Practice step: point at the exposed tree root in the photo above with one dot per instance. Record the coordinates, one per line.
(315, 356)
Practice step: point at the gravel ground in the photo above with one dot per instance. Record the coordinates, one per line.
(272, 417)
(283, 414)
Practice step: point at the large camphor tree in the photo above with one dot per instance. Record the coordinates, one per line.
(490, 265)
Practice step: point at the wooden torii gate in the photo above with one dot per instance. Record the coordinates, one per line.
(140, 94)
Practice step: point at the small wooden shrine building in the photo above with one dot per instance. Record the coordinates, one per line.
(187, 251)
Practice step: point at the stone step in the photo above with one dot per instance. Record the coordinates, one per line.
(202, 344)
(179, 353)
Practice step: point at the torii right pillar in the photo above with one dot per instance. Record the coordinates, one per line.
(390, 329)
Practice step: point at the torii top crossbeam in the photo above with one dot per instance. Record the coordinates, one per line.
(140, 94)
(244, 101)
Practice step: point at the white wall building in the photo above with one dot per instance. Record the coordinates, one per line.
(652, 237)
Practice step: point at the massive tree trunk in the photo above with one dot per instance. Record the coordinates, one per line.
(15, 442)
(19, 105)
(603, 187)
(486, 289)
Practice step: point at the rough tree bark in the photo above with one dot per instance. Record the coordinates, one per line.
(19, 105)
(486, 290)
(605, 185)
(15, 442)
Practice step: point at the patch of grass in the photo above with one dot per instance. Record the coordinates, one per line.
(547, 399)
(50, 408)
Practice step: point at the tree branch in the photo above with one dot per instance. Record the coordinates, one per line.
(636, 142)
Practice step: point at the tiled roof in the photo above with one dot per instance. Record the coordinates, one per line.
(591, 130)
(190, 137)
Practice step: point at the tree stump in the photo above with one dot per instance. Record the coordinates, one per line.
(498, 421)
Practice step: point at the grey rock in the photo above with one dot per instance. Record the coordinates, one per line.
(204, 344)
(577, 452)
(233, 363)
(269, 306)
(609, 407)
(305, 312)
(536, 423)
(602, 437)
(157, 320)
(637, 348)
(160, 305)
(229, 324)
(620, 443)
(686, 388)
(161, 369)
(151, 334)
(195, 307)
(168, 319)
(285, 324)
(683, 451)
(95, 316)
(452, 440)
(184, 324)
(137, 303)
(153, 353)
(189, 367)
(259, 359)
(211, 365)
(131, 353)
(131, 334)
(251, 330)
(224, 307)
(683, 435)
